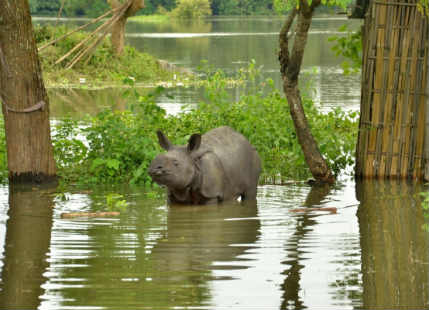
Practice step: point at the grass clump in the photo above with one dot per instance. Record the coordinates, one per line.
(103, 67)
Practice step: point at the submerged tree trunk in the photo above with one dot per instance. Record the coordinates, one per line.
(118, 29)
(290, 65)
(23, 96)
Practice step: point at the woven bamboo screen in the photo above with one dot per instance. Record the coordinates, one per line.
(393, 100)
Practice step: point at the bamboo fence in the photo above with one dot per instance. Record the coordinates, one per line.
(393, 117)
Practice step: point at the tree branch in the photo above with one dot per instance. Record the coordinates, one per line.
(315, 4)
(284, 41)
(135, 6)
(305, 16)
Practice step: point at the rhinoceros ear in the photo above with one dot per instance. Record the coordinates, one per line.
(163, 140)
(194, 142)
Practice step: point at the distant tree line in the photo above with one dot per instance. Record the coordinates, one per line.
(97, 7)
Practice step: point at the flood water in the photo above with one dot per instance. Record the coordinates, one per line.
(372, 253)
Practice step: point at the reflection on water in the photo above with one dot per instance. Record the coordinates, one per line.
(294, 262)
(27, 242)
(370, 254)
(395, 248)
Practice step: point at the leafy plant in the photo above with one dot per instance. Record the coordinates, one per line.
(350, 47)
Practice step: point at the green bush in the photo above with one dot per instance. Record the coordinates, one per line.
(264, 118)
(192, 9)
(121, 145)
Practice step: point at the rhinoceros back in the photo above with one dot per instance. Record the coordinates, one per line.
(239, 159)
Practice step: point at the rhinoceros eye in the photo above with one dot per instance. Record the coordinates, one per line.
(176, 163)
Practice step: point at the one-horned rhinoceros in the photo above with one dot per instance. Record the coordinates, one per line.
(217, 166)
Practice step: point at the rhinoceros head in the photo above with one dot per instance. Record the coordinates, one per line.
(175, 169)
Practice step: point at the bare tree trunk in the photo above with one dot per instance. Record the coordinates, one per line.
(290, 63)
(118, 29)
(24, 100)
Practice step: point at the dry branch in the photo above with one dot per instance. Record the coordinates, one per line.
(332, 210)
(89, 214)
(103, 30)
(75, 30)
(106, 29)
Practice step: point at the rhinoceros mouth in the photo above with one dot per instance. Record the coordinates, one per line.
(160, 178)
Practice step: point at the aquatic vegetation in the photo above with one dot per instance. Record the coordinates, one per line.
(349, 46)
(119, 145)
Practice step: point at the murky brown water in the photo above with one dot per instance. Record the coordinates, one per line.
(372, 253)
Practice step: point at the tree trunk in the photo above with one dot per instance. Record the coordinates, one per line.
(290, 63)
(118, 29)
(24, 100)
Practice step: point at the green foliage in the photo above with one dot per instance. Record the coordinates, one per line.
(85, 8)
(241, 7)
(192, 9)
(283, 6)
(152, 6)
(70, 151)
(104, 66)
(71, 7)
(122, 144)
(350, 47)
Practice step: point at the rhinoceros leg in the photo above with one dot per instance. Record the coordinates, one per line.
(250, 193)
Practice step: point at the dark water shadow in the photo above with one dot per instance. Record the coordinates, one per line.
(304, 222)
(28, 236)
(395, 247)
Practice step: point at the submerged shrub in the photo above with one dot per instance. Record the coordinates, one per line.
(121, 144)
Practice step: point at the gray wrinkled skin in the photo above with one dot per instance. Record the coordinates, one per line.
(218, 166)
